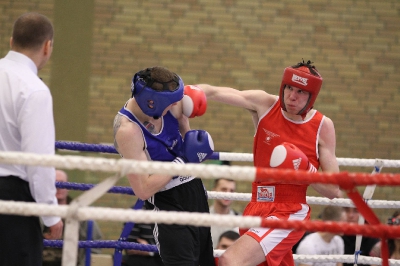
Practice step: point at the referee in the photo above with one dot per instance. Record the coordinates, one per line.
(26, 125)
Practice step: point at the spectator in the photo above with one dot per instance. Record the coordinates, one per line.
(222, 206)
(393, 243)
(369, 245)
(53, 256)
(323, 243)
(343, 218)
(27, 125)
(225, 240)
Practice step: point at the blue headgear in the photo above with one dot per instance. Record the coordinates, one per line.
(152, 102)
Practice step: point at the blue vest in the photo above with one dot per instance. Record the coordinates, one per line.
(163, 146)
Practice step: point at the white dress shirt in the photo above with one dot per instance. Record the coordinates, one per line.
(27, 125)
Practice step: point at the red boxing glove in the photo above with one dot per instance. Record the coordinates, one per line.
(194, 101)
(289, 156)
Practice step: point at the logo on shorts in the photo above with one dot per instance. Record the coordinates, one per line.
(299, 80)
(184, 178)
(266, 193)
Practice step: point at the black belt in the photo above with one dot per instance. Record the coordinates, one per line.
(14, 188)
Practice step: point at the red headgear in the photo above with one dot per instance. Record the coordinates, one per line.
(305, 77)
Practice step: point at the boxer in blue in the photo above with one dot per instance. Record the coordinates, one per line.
(150, 127)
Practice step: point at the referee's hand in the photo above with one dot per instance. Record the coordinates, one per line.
(55, 231)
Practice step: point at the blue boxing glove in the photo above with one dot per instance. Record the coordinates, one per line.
(197, 147)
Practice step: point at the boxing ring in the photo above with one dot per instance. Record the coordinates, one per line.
(79, 208)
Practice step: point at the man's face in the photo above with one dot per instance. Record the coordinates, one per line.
(225, 243)
(225, 185)
(352, 214)
(295, 99)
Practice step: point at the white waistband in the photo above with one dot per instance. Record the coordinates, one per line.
(177, 181)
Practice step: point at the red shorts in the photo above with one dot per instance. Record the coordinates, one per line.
(277, 243)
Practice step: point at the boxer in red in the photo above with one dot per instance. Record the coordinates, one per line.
(289, 134)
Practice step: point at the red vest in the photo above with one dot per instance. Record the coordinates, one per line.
(274, 128)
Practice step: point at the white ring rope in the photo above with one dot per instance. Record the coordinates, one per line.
(342, 258)
(376, 204)
(124, 215)
(248, 157)
(123, 166)
(331, 258)
(141, 216)
(245, 173)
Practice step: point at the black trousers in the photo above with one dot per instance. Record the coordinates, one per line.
(21, 239)
(183, 245)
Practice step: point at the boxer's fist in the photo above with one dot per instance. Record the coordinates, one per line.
(194, 101)
(288, 156)
(197, 146)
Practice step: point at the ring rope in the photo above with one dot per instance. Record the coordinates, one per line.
(238, 196)
(218, 252)
(243, 173)
(224, 156)
(194, 219)
(103, 244)
(342, 258)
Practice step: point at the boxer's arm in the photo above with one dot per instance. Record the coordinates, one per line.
(129, 139)
(253, 100)
(183, 120)
(327, 158)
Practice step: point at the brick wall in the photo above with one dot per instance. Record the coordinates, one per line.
(246, 45)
